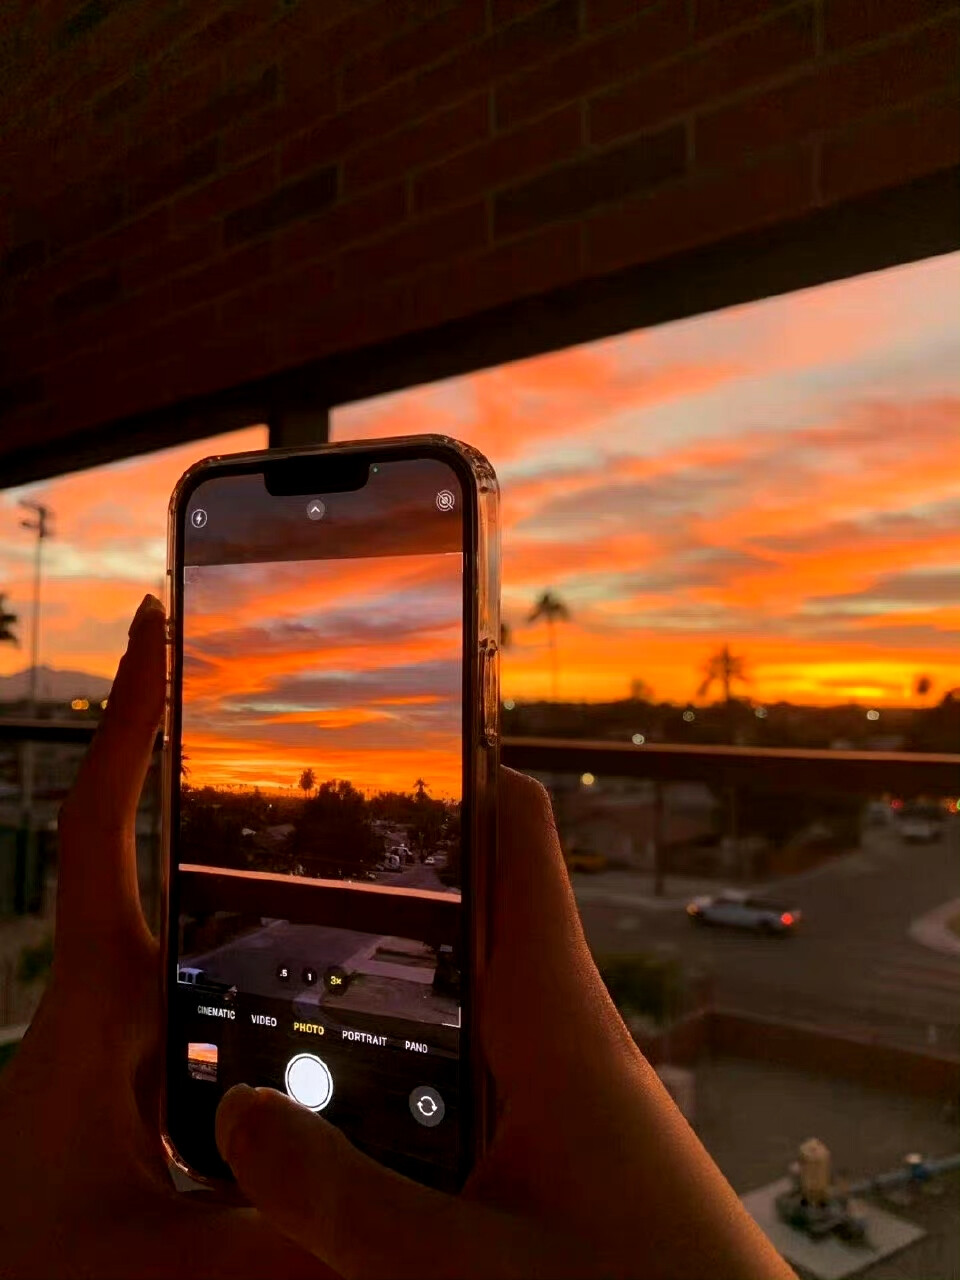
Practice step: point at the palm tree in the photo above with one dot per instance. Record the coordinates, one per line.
(921, 686)
(640, 691)
(307, 781)
(7, 623)
(552, 609)
(421, 789)
(724, 668)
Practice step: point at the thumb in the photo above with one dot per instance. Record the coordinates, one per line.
(357, 1216)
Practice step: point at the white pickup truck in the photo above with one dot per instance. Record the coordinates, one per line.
(201, 981)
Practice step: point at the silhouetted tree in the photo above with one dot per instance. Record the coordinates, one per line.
(640, 691)
(922, 686)
(723, 668)
(307, 781)
(552, 609)
(506, 635)
(7, 623)
(420, 789)
(210, 826)
(333, 837)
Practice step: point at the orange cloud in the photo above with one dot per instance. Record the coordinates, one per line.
(106, 550)
(777, 475)
(355, 676)
(566, 395)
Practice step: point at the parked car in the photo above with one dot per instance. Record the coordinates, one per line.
(584, 861)
(741, 911)
(878, 813)
(920, 823)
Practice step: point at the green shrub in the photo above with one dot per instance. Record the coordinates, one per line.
(35, 961)
(646, 984)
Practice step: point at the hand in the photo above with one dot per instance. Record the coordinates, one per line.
(83, 1175)
(593, 1170)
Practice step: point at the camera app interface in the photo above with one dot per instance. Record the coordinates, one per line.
(317, 867)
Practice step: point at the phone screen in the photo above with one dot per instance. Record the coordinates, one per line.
(318, 876)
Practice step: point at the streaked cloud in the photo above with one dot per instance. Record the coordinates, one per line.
(779, 476)
(368, 688)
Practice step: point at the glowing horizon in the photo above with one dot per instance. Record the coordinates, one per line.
(774, 476)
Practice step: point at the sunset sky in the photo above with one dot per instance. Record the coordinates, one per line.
(287, 667)
(780, 476)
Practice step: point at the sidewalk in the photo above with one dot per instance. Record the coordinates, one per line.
(933, 930)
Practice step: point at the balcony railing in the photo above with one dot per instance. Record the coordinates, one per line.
(777, 768)
(728, 772)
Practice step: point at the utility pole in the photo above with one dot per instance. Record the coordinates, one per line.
(39, 525)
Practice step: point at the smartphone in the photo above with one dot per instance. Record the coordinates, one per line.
(331, 749)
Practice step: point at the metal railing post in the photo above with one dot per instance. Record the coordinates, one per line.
(659, 832)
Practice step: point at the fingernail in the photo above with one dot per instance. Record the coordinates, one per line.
(235, 1104)
(149, 604)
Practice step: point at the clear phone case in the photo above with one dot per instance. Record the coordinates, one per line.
(481, 718)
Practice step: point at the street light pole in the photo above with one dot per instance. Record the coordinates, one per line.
(41, 527)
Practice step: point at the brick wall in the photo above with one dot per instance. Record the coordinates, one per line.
(195, 194)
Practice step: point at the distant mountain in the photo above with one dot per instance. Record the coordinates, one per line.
(54, 685)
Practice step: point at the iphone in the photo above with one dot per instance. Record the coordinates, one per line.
(331, 750)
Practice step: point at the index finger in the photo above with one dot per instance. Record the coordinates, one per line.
(97, 825)
(543, 993)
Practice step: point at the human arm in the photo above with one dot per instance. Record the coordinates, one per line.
(83, 1176)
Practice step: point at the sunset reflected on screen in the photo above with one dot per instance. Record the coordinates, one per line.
(350, 668)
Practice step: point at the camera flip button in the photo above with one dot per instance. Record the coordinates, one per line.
(426, 1106)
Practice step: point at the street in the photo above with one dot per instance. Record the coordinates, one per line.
(851, 966)
(416, 877)
(252, 960)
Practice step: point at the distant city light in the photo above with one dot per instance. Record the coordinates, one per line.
(760, 713)
(80, 704)
(638, 739)
(508, 704)
(587, 779)
(103, 704)
(873, 715)
(688, 716)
